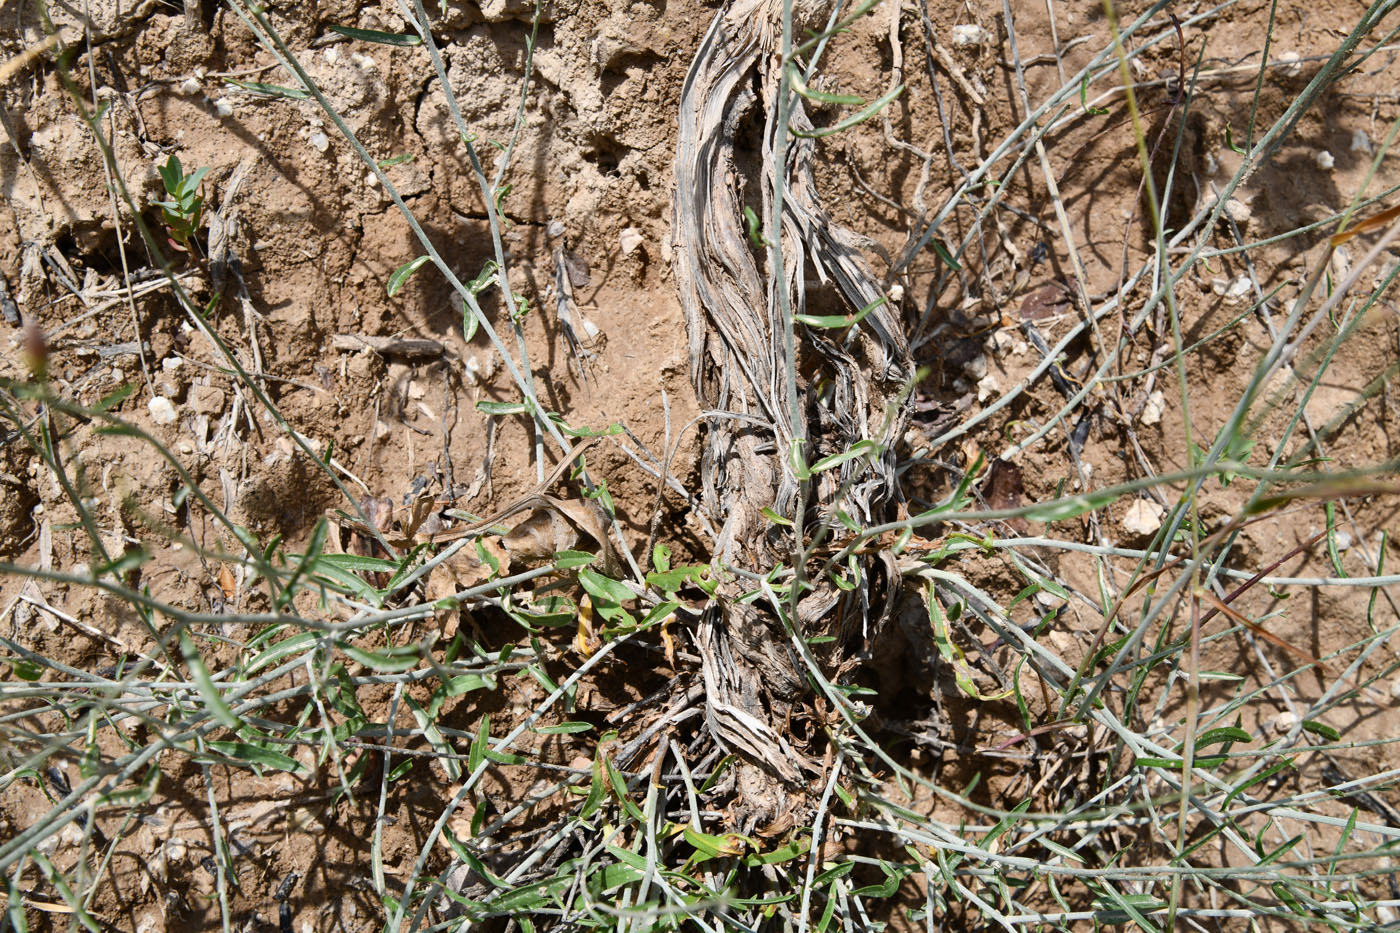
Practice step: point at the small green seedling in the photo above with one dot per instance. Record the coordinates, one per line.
(184, 212)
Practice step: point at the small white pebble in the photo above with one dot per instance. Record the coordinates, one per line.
(162, 412)
(189, 87)
(1285, 722)
(1360, 142)
(1153, 409)
(896, 293)
(1324, 160)
(970, 34)
(1290, 62)
(332, 54)
(371, 180)
(976, 367)
(1142, 518)
(629, 239)
(319, 141)
(987, 387)
(556, 228)
(1238, 289)
(1344, 541)
(363, 62)
(223, 107)
(1395, 688)
(1239, 211)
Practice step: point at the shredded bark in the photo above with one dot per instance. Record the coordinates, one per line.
(852, 383)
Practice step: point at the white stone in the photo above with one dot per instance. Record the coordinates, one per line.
(1238, 289)
(970, 34)
(1291, 62)
(1284, 722)
(987, 387)
(223, 107)
(1360, 142)
(162, 412)
(1324, 160)
(1153, 409)
(629, 239)
(189, 87)
(1239, 211)
(319, 141)
(1142, 518)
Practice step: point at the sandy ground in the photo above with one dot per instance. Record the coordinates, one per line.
(316, 237)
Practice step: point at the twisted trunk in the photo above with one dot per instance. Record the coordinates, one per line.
(852, 386)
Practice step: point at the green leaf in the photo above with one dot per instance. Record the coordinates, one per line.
(285, 648)
(661, 557)
(839, 320)
(619, 787)
(114, 398)
(942, 252)
(774, 517)
(1227, 734)
(358, 564)
(570, 560)
(477, 756)
(784, 853)
(1084, 99)
(798, 460)
(503, 408)
(401, 274)
(25, 669)
(602, 588)
(205, 683)
(875, 107)
(392, 660)
(950, 652)
(821, 97)
(256, 755)
(1321, 729)
(1230, 142)
(374, 35)
(269, 90)
(858, 449)
(894, 874)
(755, 229)
(439, 742)
(564, 728)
